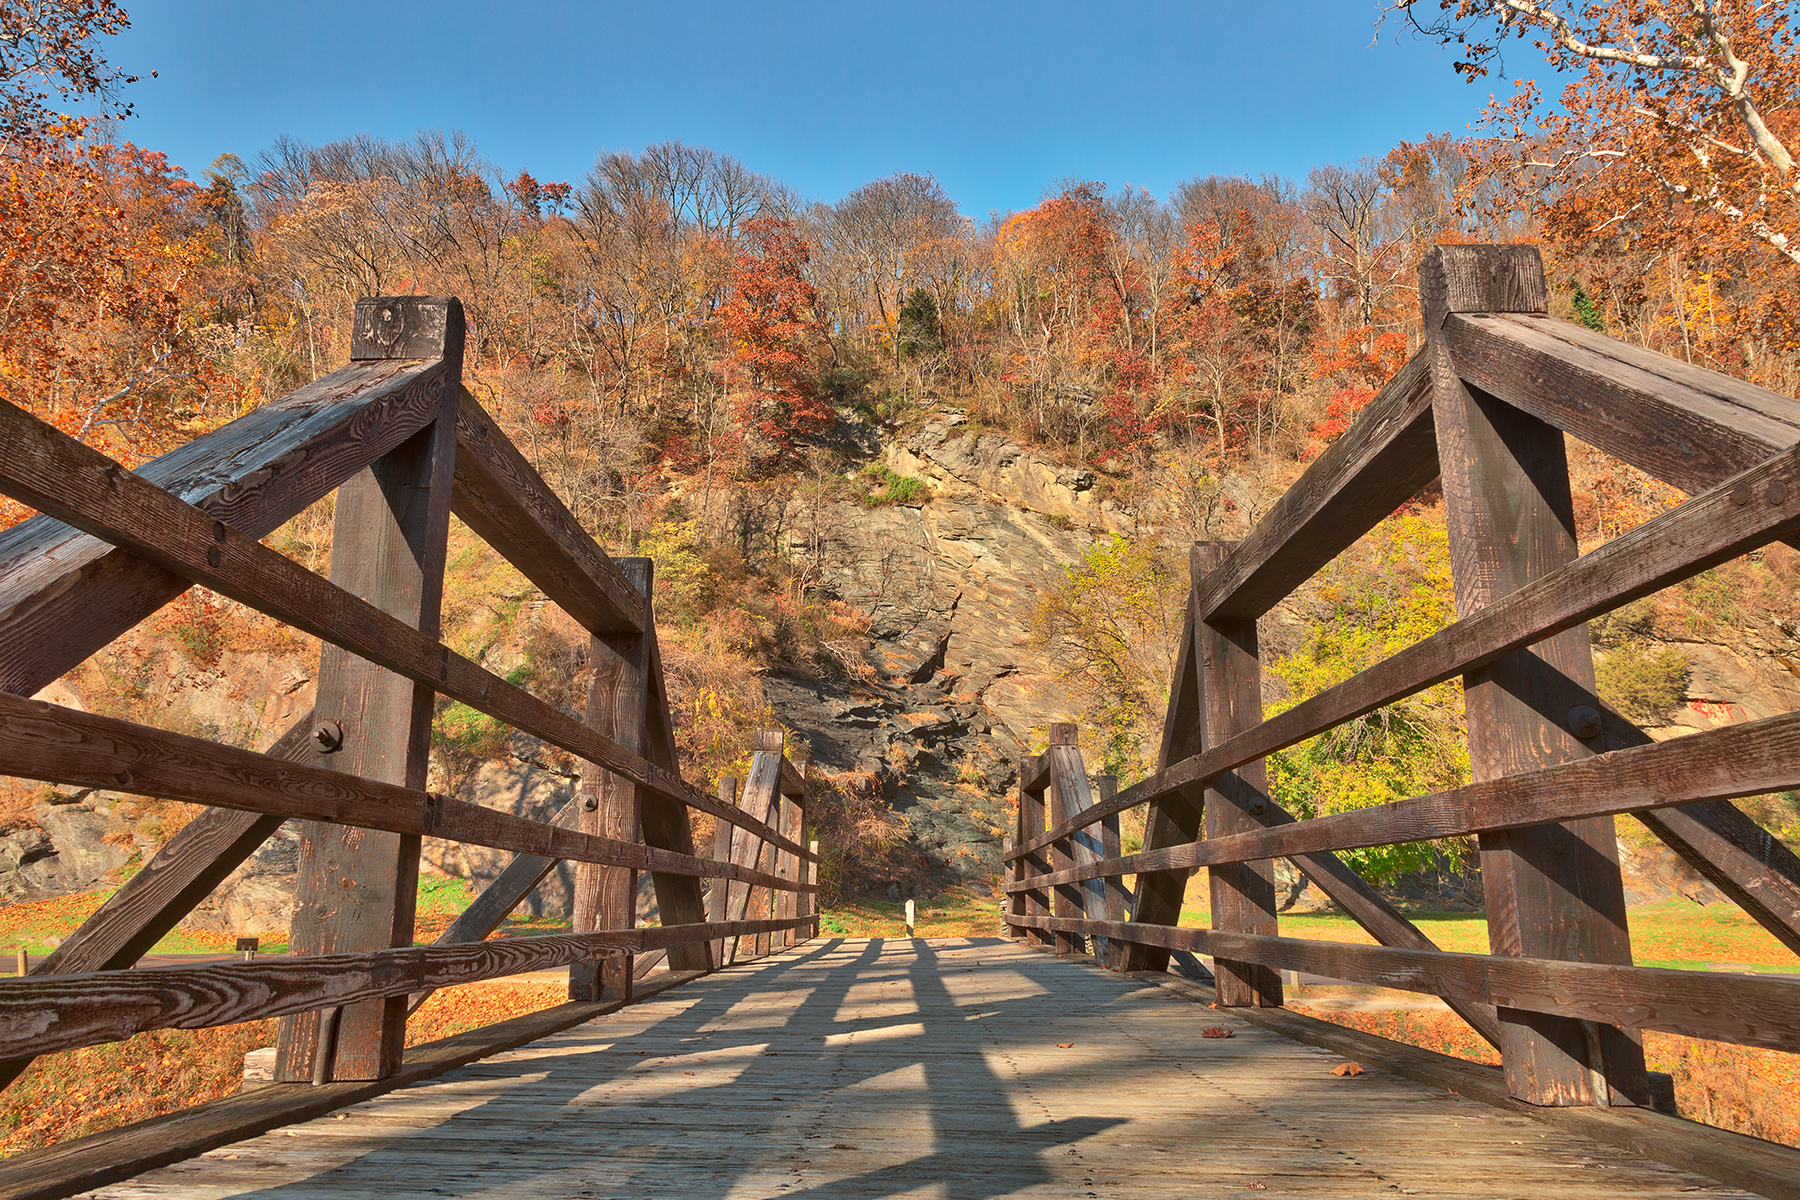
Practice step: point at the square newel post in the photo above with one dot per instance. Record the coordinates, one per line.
(1243, 894)
(761, 795)
(357, 889)
(1067, 899)
(789, 865)
(1033, 779)
(1115, 899)
(718, 889)
(1553, 891)
(618, 706)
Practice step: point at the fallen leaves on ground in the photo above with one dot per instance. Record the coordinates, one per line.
(1349, 1068)
(1064, 1045)
(1219, 1031)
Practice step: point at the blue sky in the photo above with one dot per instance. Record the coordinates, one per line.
(997, 99)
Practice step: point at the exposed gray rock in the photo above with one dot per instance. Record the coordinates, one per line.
(950, 691)
(257, 899)
(67, 852)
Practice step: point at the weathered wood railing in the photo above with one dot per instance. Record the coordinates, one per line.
(1484, 406)
(404, 445)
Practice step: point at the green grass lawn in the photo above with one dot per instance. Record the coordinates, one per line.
(1676, 933)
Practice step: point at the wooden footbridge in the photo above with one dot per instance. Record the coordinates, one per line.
(767, 1061)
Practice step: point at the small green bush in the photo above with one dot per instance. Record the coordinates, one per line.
(1642, 682)
(468, 731)
(888, 486)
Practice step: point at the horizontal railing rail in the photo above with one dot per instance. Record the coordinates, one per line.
(1714, 527)
(1551, 770)
(111, 546)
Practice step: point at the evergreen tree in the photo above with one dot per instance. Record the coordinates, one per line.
(1586, 311)
(918, 332)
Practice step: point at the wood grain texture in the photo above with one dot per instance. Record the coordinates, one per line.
(1069, 784)
(503, 499)
(62, 1012)
(1766, 1168)
(1551, 891)
(65, 594)
(1174, 816)
(1480, 279)
(407, 327)
(1655, 777)
(1116, 901)
(57, 474)
(178, 876)
(667, 825)
(1061, 801)
(1242, 893)
(96, 1160)
(618, 708)
(509, 888)
(1740, 858)
(62, 745)
(1033, 814)
(1386, 457)
(1689, 427)
(1700, 533)
(1749, 1010)
(500, 897)
(357, 889)
(894, 1068)
(761, 788)
(719, 891)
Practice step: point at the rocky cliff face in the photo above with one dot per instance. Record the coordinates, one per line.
(951, 693)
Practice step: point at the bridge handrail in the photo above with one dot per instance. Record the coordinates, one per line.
(1491, 351)
(112, 546)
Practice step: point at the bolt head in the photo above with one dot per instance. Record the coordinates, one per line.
(328, 737)
(1584, 722)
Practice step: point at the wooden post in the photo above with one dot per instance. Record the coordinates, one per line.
(1173, 820)
(812, 898)
(721, 888)
(1108, 787)
(761, 790)
(1553, 891)
(357, 889)
(1066, 899)
(618, 700)
(787, 865)
(1243, 894)
(1031, 823)
(667, 825)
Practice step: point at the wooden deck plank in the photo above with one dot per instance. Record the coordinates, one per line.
(913, 1067)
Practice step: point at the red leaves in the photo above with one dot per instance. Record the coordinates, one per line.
(1219, 1031)
(774, 332)
(1064, 1045)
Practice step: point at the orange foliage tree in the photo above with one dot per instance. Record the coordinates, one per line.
(775, 335)
(1686, 101)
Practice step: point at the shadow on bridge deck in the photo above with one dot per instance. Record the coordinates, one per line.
(956, 1068)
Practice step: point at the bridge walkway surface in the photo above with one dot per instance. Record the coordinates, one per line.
(955, 1068)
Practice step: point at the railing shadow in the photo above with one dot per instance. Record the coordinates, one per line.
(948, 1042)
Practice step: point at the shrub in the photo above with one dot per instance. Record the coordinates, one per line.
(887, 486)
(1643, 683)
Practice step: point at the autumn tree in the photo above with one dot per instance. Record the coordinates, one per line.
(52, 53)
(1689, 101)
(884, 241)
(771, 319)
